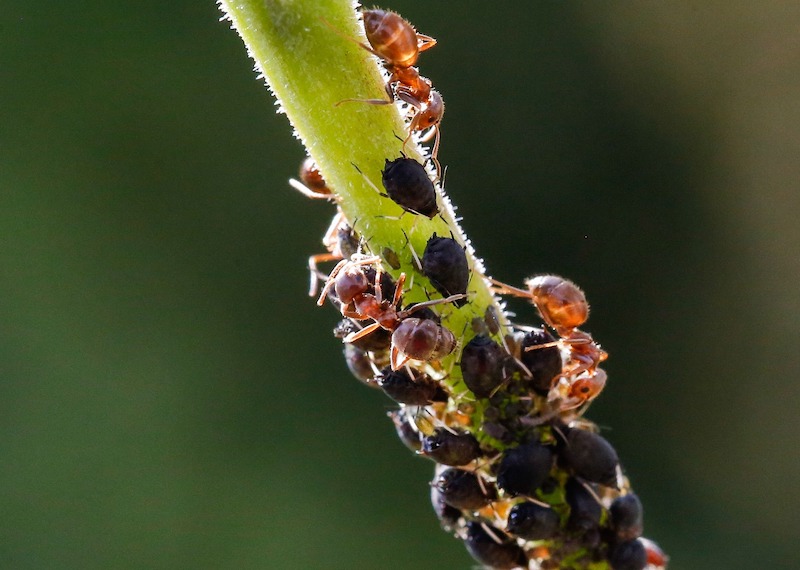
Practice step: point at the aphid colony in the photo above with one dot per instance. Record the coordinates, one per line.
(521, 477)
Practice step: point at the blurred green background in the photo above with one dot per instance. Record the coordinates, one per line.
(172, 399)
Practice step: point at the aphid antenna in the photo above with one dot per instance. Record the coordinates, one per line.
(591, 491)
(490, 532)
(415, 260)
(369, 182)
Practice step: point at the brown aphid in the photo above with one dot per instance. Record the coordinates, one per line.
(393, 39)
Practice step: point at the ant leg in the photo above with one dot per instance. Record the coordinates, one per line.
(352, 337)
(418, 306)
(503, 289)
(331, 281)
(308, 192)
(316, 274)
(367, 101)
(398, 289)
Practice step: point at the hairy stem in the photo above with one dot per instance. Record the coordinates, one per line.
(308, 52)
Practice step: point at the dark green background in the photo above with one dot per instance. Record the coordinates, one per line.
(172, 399)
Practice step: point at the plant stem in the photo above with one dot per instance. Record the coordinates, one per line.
(308, 52)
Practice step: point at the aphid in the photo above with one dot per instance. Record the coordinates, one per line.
(407, 183)
(626, 517)
(360, 364)
(448, 516)
(655, 556)
(584, 509)
(311, 183)
(628, 555)
(533, 521)
(544, 363)
(482, 365)
(561, 304)
(412, 338)
(524, 468)
(464, 489)
(403, 389)
(589, 456)
(488, 325)
(378, 342)
(494, 548)
(444, 263)
(405, 431)
(448, 448)
(391, 258)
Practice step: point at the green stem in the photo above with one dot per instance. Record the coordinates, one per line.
(308, 52)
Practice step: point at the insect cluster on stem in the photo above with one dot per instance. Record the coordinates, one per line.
(522, 478)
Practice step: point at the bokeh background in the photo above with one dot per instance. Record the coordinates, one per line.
(172, 399)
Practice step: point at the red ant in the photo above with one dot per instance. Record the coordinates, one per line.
(563, 307)
(412, 338)
(311, 183)
(394, 40)
(340, 239)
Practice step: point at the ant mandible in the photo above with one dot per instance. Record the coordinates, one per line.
(412, 338)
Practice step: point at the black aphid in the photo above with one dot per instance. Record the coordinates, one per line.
(450, 448)
(496, 550)
(584, 510)
(444, 263)
(378, 341)
(523, 469)
(482, 365)
(590, 457)
(544, 363)
(359, 362)
(404, 389)
(629, 555)
(533, 522)
(463, 489)
(627, 517)
(409, 186)
(407, 434)
(448, 516)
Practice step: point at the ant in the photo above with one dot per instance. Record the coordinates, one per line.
(312, 184)
(395, 41)
(412, 338)
(341, 241)
(563, 307)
